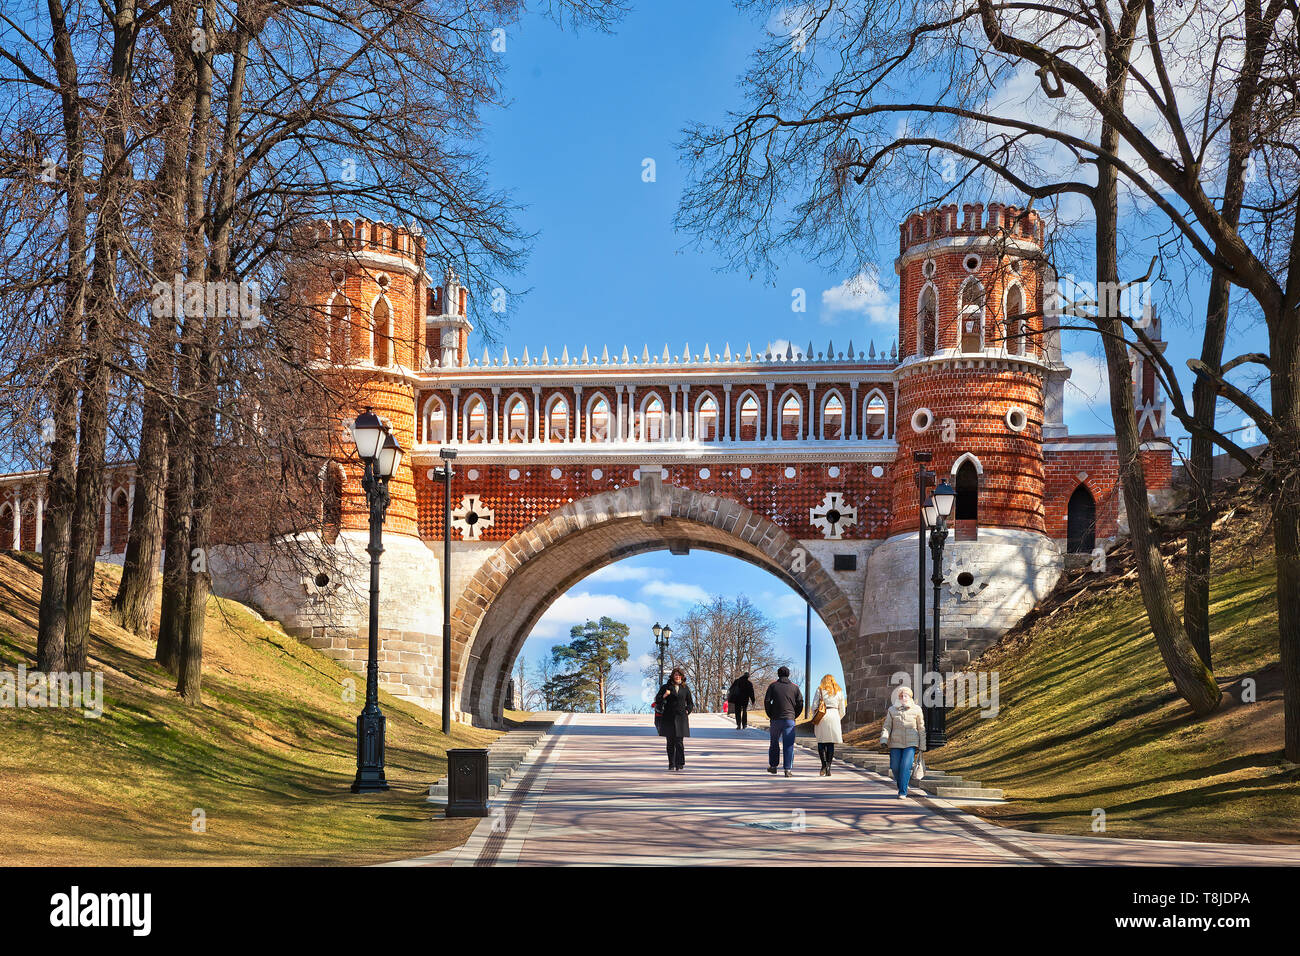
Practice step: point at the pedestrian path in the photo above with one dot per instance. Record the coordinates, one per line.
(597, 791)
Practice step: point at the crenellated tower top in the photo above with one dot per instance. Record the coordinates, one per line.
(1002, 221)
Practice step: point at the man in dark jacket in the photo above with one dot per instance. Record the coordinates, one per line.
(739, 696)
(783, 704)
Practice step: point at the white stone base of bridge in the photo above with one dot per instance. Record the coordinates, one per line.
(319, 592)
(989, 585)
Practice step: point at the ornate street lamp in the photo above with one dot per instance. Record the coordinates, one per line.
(445, 474)
(381, 454)
(936, 513)
(662, 634)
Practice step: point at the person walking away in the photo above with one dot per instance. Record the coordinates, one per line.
(739, 696)
(674, 705)
(903, 732)
(828, 707)
(783, 703)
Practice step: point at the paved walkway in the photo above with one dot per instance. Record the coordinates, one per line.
(598, 792)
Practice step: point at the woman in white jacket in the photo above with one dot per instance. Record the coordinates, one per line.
(828, 728)
(903, 732)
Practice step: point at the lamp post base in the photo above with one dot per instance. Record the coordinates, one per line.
(935, 732)
(370, 753)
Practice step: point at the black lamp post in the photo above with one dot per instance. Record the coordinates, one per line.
(445, 474)
(935, 514)
(661, 641)
(923, 480)
(381, 454)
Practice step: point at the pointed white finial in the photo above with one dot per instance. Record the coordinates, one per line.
(546, 358)
(645, 355)
(666, 357)
(586, 359)
(749, 352)
(626, 358)
(525, 358)
(604, 355)
(564, 356)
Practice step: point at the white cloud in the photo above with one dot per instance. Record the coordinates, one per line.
(1085, 391)
(578, 607)
(860, 295)
(620, 571)
(675, 591)
(781, 606)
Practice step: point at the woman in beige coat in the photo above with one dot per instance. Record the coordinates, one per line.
(903, 732)
(829, 729)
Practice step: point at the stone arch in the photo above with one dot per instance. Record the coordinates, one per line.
(967, 457)
(512, 589)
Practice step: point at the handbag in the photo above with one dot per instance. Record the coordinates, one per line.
(918, 767)
(820, 712)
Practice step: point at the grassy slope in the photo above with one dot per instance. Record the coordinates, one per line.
(1089, 719)
(268, 757)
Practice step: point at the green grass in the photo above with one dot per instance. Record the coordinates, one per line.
(1090, 719)
(267, 758)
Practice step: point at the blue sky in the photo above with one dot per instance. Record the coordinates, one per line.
(607, 268)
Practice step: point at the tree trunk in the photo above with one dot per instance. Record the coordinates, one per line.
(60, 486)
(140, 569)
(1286, 520)
(176, 557)
(134, 599)
(1191, 677)
(101, 316)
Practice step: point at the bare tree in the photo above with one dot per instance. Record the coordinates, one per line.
(836, 110)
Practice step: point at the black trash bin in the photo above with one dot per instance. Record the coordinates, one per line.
(467, 782)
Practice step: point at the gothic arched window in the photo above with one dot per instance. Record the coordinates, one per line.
(338, 331)
(652, 420)
(927, 322)
(1081, 522)
(516, 420)
(967, 482)
(557, 420)
(875, 416)
(435, 420)
(749, 417)
(791, 419)
(476, 421)
(970, 316)
(706, 419)
(381, 333)
(832, 417)
(598, 419)
(1016, 321)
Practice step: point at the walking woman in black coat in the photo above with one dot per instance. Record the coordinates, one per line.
(673, 704)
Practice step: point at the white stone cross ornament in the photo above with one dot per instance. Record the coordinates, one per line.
(472, 517)
(833, 516)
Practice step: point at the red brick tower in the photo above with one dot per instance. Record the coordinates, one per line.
(971, 372)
